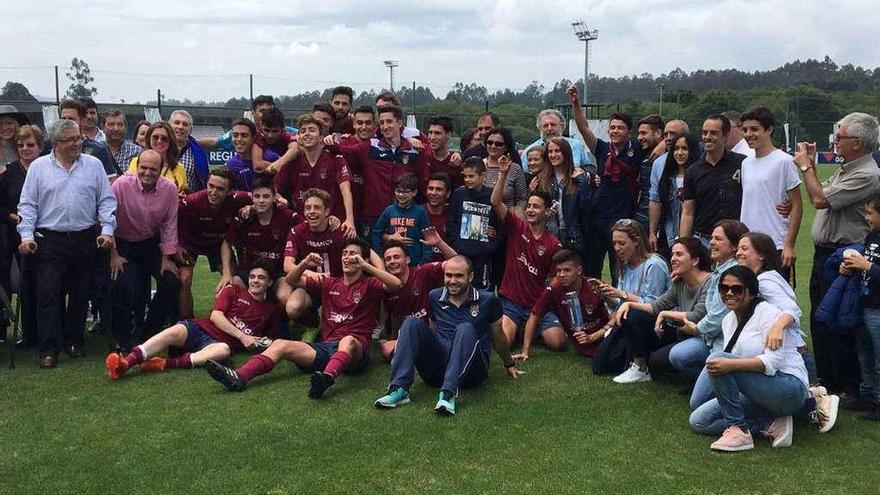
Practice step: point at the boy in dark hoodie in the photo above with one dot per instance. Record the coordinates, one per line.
(472, 224)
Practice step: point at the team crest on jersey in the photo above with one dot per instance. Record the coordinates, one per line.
(541, 250)
(356, 297)
(405, 158)
(415, 291)
(323, 174)
(475, 310)
(629, 153)
(589, 311)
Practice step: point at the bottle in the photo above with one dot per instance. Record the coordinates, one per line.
(575, 313)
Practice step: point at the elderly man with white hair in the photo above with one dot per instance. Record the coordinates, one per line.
(551, 123)
(192, 155)
(840, 205)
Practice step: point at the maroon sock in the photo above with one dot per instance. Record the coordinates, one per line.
(136, 356)
(256, 366)
(183, 361)
(338, 362)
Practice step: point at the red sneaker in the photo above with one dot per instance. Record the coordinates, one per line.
(155, 363)
(116, 365)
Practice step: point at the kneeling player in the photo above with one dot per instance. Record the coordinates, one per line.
(241, 318)
(349, 308)
(580, 310)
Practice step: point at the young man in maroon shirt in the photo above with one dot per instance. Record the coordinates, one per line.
(203, 218)
(569, 278)
(382, 160)
(412, 298)
(364, 130)
(441, 160)
(341, 99)
(350, 306)
(436, 196)
(273, 136)
(262, 236)
(529, 257)
(240, 320)
(316, 167)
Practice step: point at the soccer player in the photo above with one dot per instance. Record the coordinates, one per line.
(403, 222)
(316, 167)
(452, 349)
(325, 114)
(529, 258)
(241, 163)
(350, 304)
(412, 298)
(240, 319)
(274, 136)
(262, 236)
(436, 196)
(202, 220)
(441, 160)
(585, 335)
(341, 99)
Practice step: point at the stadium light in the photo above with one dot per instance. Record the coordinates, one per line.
(391, 64)
(584, 34)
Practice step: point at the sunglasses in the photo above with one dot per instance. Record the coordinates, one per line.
(159, 138)
(736, 289)
(497, 144)
(625, 222)
(27, 145)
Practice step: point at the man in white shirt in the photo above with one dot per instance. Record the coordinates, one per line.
(736, 142)
(769, 177)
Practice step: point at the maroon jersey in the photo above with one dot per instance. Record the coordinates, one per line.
(327, 173)
(252, 317)
(266, 242)
(301, 241)
(357, 178)
(446, 166)
(528, 262)
(200, 228)
(279, 146)
(439, 223)
(347, 309)
(380, 165)
(344, 125)
(592, 308)
(412, 298)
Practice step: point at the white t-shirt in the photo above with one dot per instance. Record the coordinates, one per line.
(765, 183)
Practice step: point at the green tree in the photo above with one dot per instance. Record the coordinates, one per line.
(80, 80)
(15, 91)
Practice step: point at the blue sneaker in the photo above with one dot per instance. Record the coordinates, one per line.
(392, 399)
(445, 406)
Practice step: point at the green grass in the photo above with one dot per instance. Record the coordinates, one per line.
(558, 429)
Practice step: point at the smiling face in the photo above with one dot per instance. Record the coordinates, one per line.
(714, 139)
(263, 199)
(624, 247)
(872, 216)
(720, 247)
(755, 134)
(618, 132)
(364, 127)
(681, 261)
(747, 256)
(471, 179)
(160, 140)
(114, 128)
(309, 136)
(140, 138)
(8, 128)
(396, 261)
(258, 282)
(181, 127)
(350, 253)
(437, 193)
(495, 145)
(536, 210)
(28, 149)
(456, 276)
(535, 160)
(674, 129)
(218, 189)
(67, 148)
(551, 127)
(390, 126)
(242, 139)
(648, 137)
(341, 106)
(734, 294)
(438, 137)
(403, 196)
(148, 169)
(555, 155)
(316, 213)
(680, 151)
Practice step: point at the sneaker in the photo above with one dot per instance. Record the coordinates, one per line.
(155, 363)
(852, 403)
(633, 375)
(392, 399)
(116, 366)
(445, 406)
(871, 416)
(780, 432)
(734, 439)
(225, 375)
(826, 411)
(320, 383)
(818, 391)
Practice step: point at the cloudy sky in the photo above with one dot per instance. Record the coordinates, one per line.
(205, 50)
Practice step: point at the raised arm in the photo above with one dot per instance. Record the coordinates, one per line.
(498, 191)
(580, 119)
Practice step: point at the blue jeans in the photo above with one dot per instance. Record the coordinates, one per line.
(747, 400)
(868, 340)
(689, 356)
(447, 364)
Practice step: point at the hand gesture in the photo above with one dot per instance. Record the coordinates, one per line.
(117, 266)
(361, 262)
(430, 237)
(401, 238)
(504, 164)
(313, 260)
(806, 154)
(27, 247)
(573, 96)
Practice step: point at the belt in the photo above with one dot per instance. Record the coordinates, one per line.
(831, 246)
(74, 234)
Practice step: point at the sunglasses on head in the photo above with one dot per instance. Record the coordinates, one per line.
(735, 289)
(625, 222)
(499, 144)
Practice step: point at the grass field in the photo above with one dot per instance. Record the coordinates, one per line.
(557, 430)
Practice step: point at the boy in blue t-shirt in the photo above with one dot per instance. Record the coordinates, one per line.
(403, 222)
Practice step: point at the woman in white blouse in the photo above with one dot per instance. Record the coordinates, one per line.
(756, 389)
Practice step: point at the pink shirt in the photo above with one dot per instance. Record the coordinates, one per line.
(141, 214)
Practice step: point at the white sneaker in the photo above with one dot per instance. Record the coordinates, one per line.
(780, 432)
(633, 375)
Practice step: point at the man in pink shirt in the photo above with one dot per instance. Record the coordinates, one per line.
(146, 242)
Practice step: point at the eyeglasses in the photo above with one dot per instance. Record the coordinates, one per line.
(497, 144)
(736, 289)
(159, 138)
(27, 145)
(74, 139)
(838, 138)
(404, 191)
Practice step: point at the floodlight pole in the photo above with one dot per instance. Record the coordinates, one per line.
(585, 35)
(391, 64)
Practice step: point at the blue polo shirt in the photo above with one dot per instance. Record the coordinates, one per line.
(481, 309)
(613, 199)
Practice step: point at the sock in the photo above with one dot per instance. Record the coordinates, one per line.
(136, 356)
(183, 361)
(256, 366)
(338, 362)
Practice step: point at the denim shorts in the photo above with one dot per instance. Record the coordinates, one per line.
(325, 350)
(520, 314)
(196, 338)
